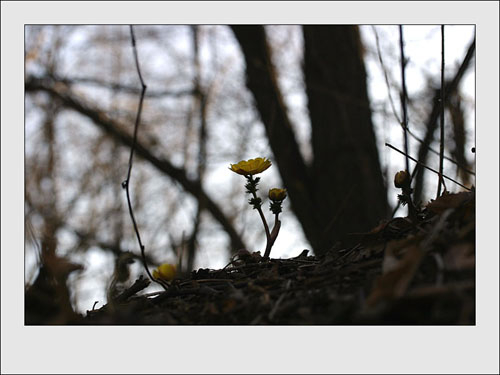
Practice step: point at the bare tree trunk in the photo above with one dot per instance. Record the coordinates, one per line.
(347, 176)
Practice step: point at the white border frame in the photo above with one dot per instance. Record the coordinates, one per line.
(243, 349)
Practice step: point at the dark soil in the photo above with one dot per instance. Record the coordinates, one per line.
(402, 272)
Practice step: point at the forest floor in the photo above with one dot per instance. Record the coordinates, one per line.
(403, 272)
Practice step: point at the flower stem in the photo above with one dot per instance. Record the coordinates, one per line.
(253, 191)
(273, 236)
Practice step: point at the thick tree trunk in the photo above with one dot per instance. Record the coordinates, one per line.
(347, 176)
(344, 191)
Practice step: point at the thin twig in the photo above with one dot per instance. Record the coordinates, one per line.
(450, 87)
(425, 166)
(139, 285)
(386, 76)
(122, 87)
(126, 183)
(441, 141)
(461, 166)
(200, 101)
(396, 116)
(114, 129)
(404, 96)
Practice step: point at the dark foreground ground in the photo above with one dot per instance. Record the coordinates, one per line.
(399, 273)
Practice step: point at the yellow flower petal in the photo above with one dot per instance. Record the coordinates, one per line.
(251, 167)
(166, 272)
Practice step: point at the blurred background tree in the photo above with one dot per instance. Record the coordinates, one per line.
(320, 101)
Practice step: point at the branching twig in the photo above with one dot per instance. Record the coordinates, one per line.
(425, 166)
(386, 76)
(461, 166)
(126, 183)
(450, 87)
(113, 128)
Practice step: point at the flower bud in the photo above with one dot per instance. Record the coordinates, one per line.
(402, 179)
(276, 194)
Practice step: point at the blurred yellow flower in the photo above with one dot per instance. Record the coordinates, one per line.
(276, 194)
(251, 167)
(165, 272)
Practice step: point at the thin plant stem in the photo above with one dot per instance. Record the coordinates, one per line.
(126, 183)
(404, 96)
(441, 141)
(259, 209)
(274, 235)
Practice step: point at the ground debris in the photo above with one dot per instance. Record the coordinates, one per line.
(401, 272)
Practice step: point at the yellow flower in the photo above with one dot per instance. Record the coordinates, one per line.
(251, 167)
(276, 194)
(165, 272)
(402, 179)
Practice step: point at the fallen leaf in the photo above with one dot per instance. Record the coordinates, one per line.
(398, 275)
(447, 201)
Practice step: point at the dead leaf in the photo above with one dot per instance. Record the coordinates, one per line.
(447, 201)
(395, 281)
(394, 252)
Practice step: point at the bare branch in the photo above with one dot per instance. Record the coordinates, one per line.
(70, 81)
(431, 122)
(113, 128)
(441, 134)
(426, 167)
(404, 97)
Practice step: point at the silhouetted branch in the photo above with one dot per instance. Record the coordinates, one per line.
(422, 144)
(431, 122)
(113, 128)
(201, 104)
(124, 88)
(441, 134)
(126, 183)
(139, 285)
(426, 167)
(386, 76)
(404, 96)
(396, 116)
(90, 240)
